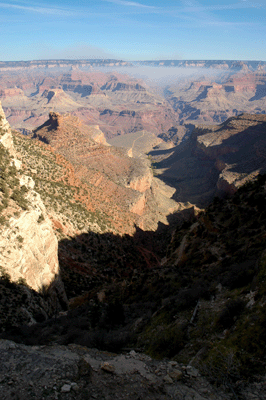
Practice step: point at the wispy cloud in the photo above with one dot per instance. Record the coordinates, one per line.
(70, 12)
(39, 10)
(194, 7)
(197, 15)
(131, 4)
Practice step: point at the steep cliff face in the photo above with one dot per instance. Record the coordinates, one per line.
(215, 160)
(141, 183)
(29, 246)
(148, 114)
(5, 133)
(28, 243)
(238, 148)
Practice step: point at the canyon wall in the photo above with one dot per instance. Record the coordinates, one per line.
(28, 243)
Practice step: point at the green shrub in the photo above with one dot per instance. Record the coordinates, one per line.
(231, 311)
(17, 196)
(167, 341)
(2, 220)
(41, 218)
(222, 367)
(20, 239)
(22, 281)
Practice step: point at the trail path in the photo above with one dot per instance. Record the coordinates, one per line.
(134, 141)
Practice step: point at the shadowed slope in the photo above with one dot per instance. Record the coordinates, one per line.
(215, 160)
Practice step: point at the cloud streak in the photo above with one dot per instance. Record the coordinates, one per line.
(39, 10)
(181, 12)
(238, 6)
(197, 15)
(71, 12)
(131, 4)
(189, 14)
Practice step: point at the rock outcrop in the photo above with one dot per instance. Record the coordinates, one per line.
(12, 92)
(29, 247)
(141, 183)
(5, 133)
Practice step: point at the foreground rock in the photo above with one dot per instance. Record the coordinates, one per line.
(76, 372)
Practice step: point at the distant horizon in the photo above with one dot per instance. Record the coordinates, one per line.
(137, 60)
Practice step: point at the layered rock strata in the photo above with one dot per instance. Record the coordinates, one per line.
(120, 180)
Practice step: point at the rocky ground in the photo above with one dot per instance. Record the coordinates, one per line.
(76, 372)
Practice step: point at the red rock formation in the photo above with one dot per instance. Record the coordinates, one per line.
(156, 119)
(11, 92)
(118, 178)
(241, 83)
(88, 95)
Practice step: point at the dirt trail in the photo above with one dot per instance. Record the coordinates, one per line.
(133, 144)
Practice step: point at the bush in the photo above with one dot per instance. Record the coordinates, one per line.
(114, 314)
(22, 281)
(3, 220)
(168, 341)
(222, 368)
(20, 239)
(19, 199)
(41, 218)
(238, 275)
(227, 317)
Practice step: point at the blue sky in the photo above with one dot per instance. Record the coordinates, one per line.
(133, 30)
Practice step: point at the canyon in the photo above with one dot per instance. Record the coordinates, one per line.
(110, 100)
(119, 202)
(121, 99)
(209, 101)
(214, 160)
